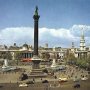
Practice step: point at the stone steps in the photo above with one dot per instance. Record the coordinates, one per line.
(37, 73)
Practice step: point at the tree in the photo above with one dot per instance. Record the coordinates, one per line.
(17, 57)
(6, 55)
(71, 58)
(45, 56)
(81, 63)
(88, 62)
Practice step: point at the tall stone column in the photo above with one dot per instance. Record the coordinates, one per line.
(36, 18)
(36, 60)
(36, 70)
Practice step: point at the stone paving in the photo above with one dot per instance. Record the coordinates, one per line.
(70, 72)
(8, 81)
(85, 85)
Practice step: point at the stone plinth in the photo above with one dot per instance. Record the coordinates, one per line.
(36, 62)
(36, 70)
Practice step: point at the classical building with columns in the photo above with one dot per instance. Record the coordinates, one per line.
(26, 51)
(82, 52)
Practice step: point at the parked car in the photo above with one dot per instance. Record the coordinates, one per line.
(1, 86)
(88, 72)
(23, 85)
(29, 82)
(23, 76)
(77, 85)
(76, 79)
(45, 81)
(63, 79)
(84, 78)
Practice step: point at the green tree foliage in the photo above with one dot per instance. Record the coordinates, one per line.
(17, 57)
(71, 58)
(6, 55)
(88, 61)
(45, 56)
(84, 63)
(81, 63)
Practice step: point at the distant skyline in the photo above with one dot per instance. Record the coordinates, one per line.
(59, 25)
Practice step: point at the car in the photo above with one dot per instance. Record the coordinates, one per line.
(88, 72)
(84, 78)
(30, 82)
(23, 85)
(76, 79)
(63, 79)
(45, 81)
(77, 85)
(1, 86)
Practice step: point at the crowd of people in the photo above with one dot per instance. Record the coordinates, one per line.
(72, 72)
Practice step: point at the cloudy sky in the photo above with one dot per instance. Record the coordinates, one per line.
(60, 22)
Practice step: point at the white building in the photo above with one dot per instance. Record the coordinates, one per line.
(81, 52)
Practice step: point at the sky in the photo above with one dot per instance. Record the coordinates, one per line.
(60, 22)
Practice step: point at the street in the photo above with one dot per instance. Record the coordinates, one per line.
(85, 85)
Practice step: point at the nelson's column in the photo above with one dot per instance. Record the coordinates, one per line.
(36, 18)
(36, 71)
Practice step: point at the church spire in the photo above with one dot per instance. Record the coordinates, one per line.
(82, 40)
(72, 44)
(82, 35)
